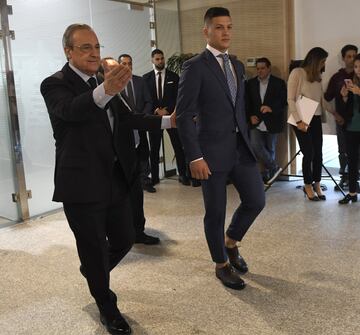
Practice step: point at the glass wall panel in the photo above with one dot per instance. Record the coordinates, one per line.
(168, 40)
(8, 208)
(123, 30)
(37, 53)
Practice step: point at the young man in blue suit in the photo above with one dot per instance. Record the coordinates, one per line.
(217, 145)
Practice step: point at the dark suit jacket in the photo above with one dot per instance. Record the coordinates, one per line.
(85, 145)
(143, 99)
(275, 98)
(170, 90)
(204, 92)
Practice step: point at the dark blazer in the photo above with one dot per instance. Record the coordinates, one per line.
(346, 109)
(85, 145)
(204, 92)
(275, 98)
(143, 99)
(170, 90)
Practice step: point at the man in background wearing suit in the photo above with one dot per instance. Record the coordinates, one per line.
(95, 162)
(266, 100)
(212, 88)
(138, 97)
(163, 86)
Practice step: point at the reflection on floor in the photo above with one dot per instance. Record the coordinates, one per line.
(304, 272)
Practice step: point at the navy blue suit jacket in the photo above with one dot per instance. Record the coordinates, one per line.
(204, 93)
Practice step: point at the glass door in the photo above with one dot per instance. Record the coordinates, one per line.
(8, 208)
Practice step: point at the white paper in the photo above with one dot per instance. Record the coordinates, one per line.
(306, 109)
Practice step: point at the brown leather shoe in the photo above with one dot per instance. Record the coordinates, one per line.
(236, 260)
(229, 277)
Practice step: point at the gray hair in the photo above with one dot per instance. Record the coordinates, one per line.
(69, 32)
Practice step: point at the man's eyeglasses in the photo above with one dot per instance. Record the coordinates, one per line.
(87, 48)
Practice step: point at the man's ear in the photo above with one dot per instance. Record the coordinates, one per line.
(67, 52)
(205, 31)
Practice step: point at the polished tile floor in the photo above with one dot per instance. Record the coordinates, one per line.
(304, 272)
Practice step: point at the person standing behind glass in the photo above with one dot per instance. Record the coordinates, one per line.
(306, 81)
(350, 111)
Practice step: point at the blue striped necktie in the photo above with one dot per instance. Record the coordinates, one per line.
(229, 76)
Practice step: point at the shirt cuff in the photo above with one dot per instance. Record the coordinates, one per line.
(197, 159)
(165, 122)
(99, 96)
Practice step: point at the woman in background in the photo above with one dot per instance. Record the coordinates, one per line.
(350, 111)
(306, 81)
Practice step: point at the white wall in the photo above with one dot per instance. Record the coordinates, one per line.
(329, 24)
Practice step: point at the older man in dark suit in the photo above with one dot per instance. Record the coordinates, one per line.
(266, 100)
(212, 88)
(163, 86)
(95, 162)
(138, 96)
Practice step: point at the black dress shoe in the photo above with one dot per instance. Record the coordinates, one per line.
(229, 277)
(184, 180)
(348, 198)
(149, 188)
(236, 260)
(147, 239)
(195, 183)
(116, 325)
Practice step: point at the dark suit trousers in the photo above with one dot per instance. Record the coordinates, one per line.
(144, 157)
(353, 147)
(137, 198)
(246, 178)
(104, 234)
(311, 147)
(155, 141)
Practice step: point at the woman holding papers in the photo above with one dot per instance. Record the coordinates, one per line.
(350, 111)
(305, 81)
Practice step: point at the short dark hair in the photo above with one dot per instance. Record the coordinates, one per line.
(156, 52)
(263, 60)
(215, 12)
(348, 47)
(124, 55)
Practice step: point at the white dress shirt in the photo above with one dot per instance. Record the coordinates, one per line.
(157, 80)
(263, 85)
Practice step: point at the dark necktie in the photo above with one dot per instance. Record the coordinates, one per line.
(229, 76)
(92, 82)
(159, 86)
(130, 96)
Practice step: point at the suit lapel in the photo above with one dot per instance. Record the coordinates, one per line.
(104, 114)
(215, 67)
(267, 93)
(153, 85)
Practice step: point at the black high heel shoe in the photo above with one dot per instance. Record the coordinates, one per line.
(320, 196)
(348, 198)
(314, 198)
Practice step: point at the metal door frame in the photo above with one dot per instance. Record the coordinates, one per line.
(21, 194)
